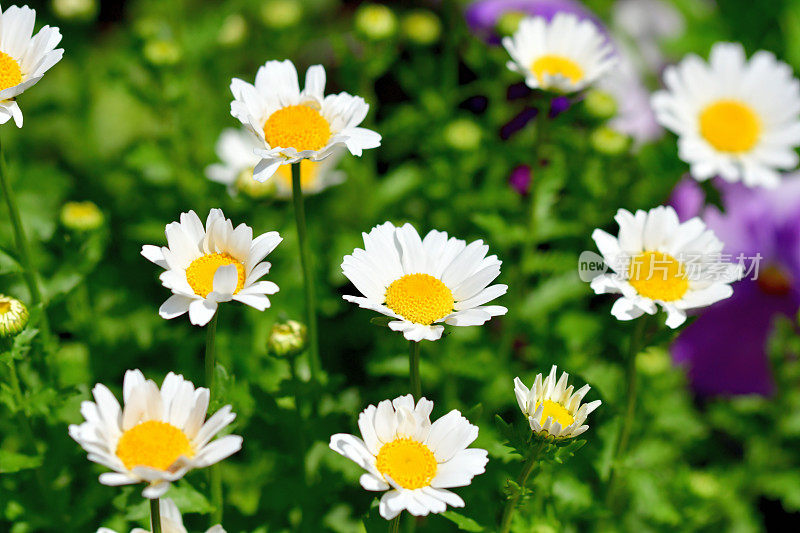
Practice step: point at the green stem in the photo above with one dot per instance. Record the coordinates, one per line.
(211, 350)
(308, 277)
(155, 516)
(214, 473)
(635, 345)
(394, 525)
(522, 481)
(413, 369)
(29, 272)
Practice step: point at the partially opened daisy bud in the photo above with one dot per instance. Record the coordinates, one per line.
(171, 520)
(287, 339)
(734, 118)
(206, 266)
(24, 58)
(424, 283)
(552, 408)
(157, 436)
(657, 260)
(564, 55)
(291, 124)
(412, 459)
(13, 316)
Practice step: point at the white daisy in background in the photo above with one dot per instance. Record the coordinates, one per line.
(24, 57)
(412, 459)
(564, 55)
(734, 118)
(235, 149)
(171, 520)
(657, 260)
(291, 124)
(423, 283)
(158, 435)
(206, 266)
(553, 408)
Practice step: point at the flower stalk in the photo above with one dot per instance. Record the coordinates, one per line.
(413, 369)
(214, 474)
(155, 516)
(522, 480)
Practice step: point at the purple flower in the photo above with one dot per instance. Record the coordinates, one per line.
(520, 179)
(724, 349)
(482, 16)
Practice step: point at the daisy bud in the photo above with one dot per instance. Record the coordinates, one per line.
(600, 104)
(81, 216)
(375, 22)
(13, 316)
(281, 14)
(422, 27)
(608, 141)
(463, 134)
(75, 10)
(245, 183)
(233, 30)
(287, 339)
(162, 52)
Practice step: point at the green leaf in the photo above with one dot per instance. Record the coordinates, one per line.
(464, 523)
(11, 462)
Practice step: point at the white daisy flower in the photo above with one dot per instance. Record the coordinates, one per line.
(734, 118)
(158, 435)
(563, 55)
(24, 57)
(412, 459)
(553, 408)
(423, 283)
(292, 124)
(206, 266)
(171, 520)
(657, 260)
(236, 150)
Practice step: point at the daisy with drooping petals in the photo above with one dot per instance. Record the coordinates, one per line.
(158, 435)
(552, 408)
(734, 118)
(291, 124)
(412, 459)
(171, 520)
(235, 149)
(206, 266)
(657, 260)
(422, 283)
(24, 57)
(563, 55)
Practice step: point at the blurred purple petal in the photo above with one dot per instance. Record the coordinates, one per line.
(687, 199)
(482, 16)
(520, 179)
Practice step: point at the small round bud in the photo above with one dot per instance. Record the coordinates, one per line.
(281, 14)
(463, 134)
(233, 30)
(375, 22)
(246, 184)
(520, 179)
(509, 21)
(75, 10)
(162, 52)
(13, 316)
(421, 27)
(81, 216)
(609, 142)
(287, 339)
(703, 484)
(600, 104)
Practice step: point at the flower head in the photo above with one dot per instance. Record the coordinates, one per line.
(547, 55)
(171, 520)
(24, 57)
(734, 118)
(422, 283)
(552, 408)
(291, 124)
(412, 459)
(157, 436)
(13, 316)
(287, 339)
(657, 260)
(206, 266)
(81, 216)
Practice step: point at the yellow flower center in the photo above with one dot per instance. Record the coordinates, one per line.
(154, 444)
(10, 73)
(419, 298)
(556, 411)
(409, 463)
(4, 307)
(308, 174)
(297, 126)
(730, 126)
(200, 274)
(658, 276)
(556, 65)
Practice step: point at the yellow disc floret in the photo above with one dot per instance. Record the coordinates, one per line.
(297, 126)
(153, 443)
(200, 273)
(556, 65)
(419, 298)
(730, 126)
(10, 73)
(409, 463)
(658, 276)
(556, 411)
